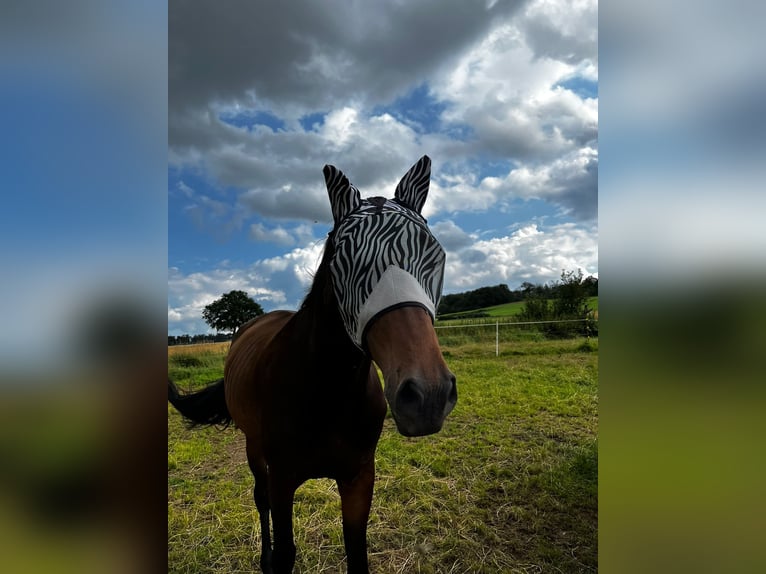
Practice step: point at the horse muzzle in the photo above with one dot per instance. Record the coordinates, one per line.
(418, 385)
(419, 407)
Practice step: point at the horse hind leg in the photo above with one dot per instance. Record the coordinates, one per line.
(261, 496)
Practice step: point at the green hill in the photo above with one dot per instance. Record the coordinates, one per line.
(499, 311)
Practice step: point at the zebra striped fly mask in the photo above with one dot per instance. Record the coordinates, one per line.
(384, 253)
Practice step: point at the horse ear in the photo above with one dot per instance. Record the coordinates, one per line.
(413, 188)
(344, 197)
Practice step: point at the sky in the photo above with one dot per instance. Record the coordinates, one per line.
(503, 96)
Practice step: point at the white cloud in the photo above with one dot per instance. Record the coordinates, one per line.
(508, 98)
(189, 294)
(185, 189)
(279, 235)
(277, 282)
(565, 30)
(450, 236)
(458, 192)
(528, 254)
(570, 181)
(339, 125)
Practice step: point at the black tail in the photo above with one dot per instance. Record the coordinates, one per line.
(205, 407)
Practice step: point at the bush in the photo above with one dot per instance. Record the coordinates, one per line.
(186, 361)
(568, 308)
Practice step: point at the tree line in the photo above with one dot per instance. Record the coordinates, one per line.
(470, 301)
(198, 339)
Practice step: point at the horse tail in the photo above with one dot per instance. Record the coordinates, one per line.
(203, 408)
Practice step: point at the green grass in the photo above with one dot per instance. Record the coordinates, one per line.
(593, 303)
(193, 366)
(506, 310)
(509, 485)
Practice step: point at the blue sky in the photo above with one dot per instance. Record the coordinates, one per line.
(503, 96)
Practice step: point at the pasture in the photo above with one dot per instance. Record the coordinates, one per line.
(509, 485)
(507, 310)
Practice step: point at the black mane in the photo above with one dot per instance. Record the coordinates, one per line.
(320, 293)
(320, 316)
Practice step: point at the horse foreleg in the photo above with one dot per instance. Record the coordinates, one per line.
(281, 494)
(261, 496)
(356, 499)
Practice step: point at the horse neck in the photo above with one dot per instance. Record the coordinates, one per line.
(320, 330)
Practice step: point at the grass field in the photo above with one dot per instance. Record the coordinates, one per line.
(509, 485)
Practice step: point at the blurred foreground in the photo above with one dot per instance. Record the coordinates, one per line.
(81, 485)
(83, 286)
(681, 426)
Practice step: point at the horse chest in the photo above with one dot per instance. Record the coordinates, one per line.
(327, 435)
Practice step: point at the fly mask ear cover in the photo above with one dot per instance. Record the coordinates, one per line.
(385, 255)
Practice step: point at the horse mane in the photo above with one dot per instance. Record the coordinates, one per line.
(319, 312)
(320, 292)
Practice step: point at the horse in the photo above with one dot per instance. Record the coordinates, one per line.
(302, 385)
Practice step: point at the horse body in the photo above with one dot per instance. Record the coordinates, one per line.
(309, 407)
(313, 401)
(307, 396)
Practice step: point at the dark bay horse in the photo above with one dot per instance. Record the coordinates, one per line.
(302, 385)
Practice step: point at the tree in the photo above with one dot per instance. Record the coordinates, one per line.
(565, 300)
(571, 298)
(591, 286)
(230, 311)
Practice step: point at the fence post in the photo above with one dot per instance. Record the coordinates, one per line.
(497, 338)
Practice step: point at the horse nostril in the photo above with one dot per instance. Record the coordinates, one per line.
(453, 390)
(409, 394)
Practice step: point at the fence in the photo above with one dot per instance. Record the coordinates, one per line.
(497, 324)
(476, 323)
